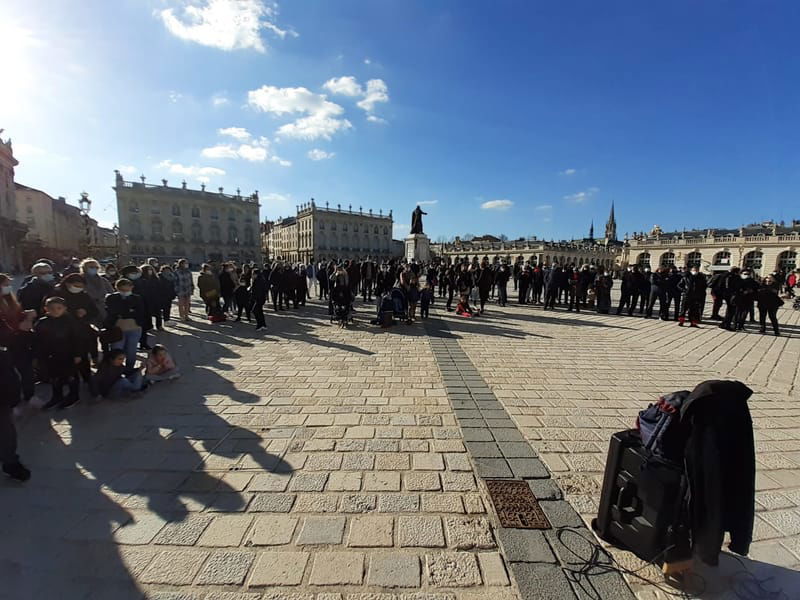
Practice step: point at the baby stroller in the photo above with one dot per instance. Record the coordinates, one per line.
(796, 304)
(385, 306)
(341, 300)
(399, 304)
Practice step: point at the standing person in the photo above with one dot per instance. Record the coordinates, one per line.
(167, 292)
(602, 288)
(484, 278)
(37, 289)
(536, 283)
(425, 300)
(74, 266)
(311, 277)
(645, 286)
(626, 291)
(184, 288)
(573, 278)
(97, 287)
(276, 286)
(367, 279)
(441, 279)
(768, 304)
(658, 291)
(242, 294)
(554, 281)
(10, 384)
(125, 312)
(523, 282)
(208, 288)
(322, 279)
(730, 288)
(228, 282)
(147, 287)
(715, 285)
(83, 310)
(501, 281)
(412, 294)
(111, 274)
(258, 296)
(693, 297)
(58, 349)
(673, 293)
(450, 283)
(745, 298)
(791, 283)
(15, 335)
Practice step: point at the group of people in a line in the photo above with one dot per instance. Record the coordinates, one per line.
(79, 326)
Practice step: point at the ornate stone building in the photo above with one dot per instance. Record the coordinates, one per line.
(317, 233)
(12, 231)
(200, 225)
(762, 247)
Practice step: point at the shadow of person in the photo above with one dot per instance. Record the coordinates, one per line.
(58, 530)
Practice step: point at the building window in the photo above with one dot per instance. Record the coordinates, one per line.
(693, 259)
(155, 209)
(643, 260)
(233, 235)
(355, 228)
(231, 215)
(668, 259)
(333, 226)
(214, 233)
(787, 261)
(157, 229)
(722, 259)
(177, 228)
(344, 226)
(214, 213)
(134, 206)
(176, 210)
(197, 232)
(322, 224)
(248, 236)
(385, 230)
(195, 212)
(752, 260)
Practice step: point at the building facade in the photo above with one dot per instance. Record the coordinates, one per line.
(762, 247)
(171, 223)
(318, 233)
(12, 230)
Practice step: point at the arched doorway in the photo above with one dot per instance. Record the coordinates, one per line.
(787, 261)
(753, 260)
(643, 260)
(667, 259)
(722, 259)
(693, 259)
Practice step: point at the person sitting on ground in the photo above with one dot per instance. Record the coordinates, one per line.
(111, 380)
(160, 366)
(463, 308)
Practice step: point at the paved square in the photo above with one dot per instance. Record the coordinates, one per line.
(318, 463)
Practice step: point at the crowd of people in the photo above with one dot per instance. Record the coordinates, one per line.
(87, 324)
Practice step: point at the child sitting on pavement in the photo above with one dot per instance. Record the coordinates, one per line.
(110, 380)
(160, 366)
(463, 309)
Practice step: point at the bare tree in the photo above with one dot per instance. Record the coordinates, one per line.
(468, 237)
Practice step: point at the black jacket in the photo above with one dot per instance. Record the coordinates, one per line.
(693, 286)
(118, 307)
(33, 294)
(768, 298)
(720, 465)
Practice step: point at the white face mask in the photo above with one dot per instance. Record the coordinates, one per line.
(134, 276)
(745, 276)
(74, 290)
(126, 293)
(694, 272)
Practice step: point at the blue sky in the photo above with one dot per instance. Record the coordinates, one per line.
(516, 118)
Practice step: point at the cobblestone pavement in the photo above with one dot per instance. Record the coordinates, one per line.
(314, 463)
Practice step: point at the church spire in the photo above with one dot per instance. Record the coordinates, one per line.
(591, 231)
(611, 226)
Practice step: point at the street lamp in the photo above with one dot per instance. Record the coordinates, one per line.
(85, 205)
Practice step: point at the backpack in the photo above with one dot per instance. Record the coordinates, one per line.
(659, 426)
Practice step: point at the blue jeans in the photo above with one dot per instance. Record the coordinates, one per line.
(129, 343)
(127, 385)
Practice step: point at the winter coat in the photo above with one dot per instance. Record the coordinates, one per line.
(33, 293)
(184, 283)
(693, 287)
(228, 282)
(768, 298)
(208, 287)
(118, 307)
(166, 289)
(98, 288)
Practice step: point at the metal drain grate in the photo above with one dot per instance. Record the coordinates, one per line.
(515, 504)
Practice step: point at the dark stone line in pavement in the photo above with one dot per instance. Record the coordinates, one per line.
(537, 560)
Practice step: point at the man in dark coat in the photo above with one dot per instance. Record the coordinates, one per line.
(37, 289)
(484, 278)
(693, 297)
(729, 286)
(258, 296)
(585, 279)
(501, 281)
(658, 291)
(555, 281)
(524, 283)
(745, 298)
(629, 290)
(673, 293)
(715, 285)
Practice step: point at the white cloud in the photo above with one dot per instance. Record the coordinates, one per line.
(374, 119)
(581, 197)
(174, 96)
(344, 86)
(367, 61)
(240, 133)
(317, 154)
(323, 120)
(127, 169)
(190, 170)
(372, 93)
(428, 202)
(255, 150)
(223, 24)
(497, 205)
(218, 100)
(376, 91)
(203, 179)
(568, 172)
(544, 207)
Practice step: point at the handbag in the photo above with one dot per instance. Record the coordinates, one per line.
(110, 336)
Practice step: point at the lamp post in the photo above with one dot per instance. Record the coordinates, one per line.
(115, 230)
(85, 205)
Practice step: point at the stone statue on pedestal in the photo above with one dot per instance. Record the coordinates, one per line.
(416, 220)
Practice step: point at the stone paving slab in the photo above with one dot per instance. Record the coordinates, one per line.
(368, 440)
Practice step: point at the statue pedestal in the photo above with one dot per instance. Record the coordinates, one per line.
(418, 246)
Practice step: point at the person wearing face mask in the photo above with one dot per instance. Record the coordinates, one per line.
(125, 312)
(166, 294)
(745, 298)
(83, 310)
(73, 267)
(97, 287)
(147, 287)
(228, 282)
(208, 288)
(111, 274)
(15, 335)
(768, 304)
(184, 288)
(37, 289)
(729, 287)
(693, 297)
